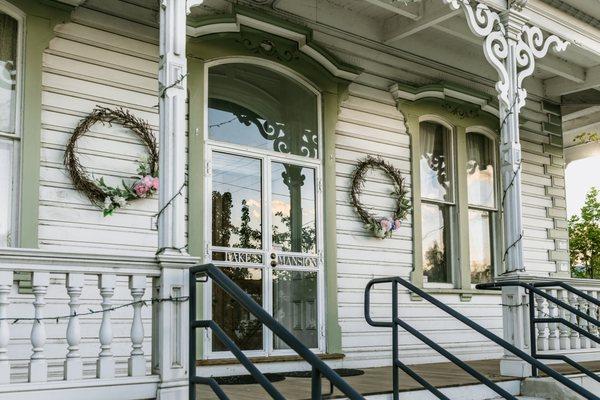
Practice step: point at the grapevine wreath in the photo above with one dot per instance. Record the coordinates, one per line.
(381, 227)
(109, 198)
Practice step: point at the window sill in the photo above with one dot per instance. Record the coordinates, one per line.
(465, 294)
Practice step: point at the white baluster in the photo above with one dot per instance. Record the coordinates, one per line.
(575, 339)
(73, 364)
(564, 339)
(583, 324)
(6, 280)
(105, 367)
(542, 328)
(553, 343)
(137, 361)
(38, 366)
(593, 312)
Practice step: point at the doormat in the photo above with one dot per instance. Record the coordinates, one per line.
(343, 372)
(246, 379)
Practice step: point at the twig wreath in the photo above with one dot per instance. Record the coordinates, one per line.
(381, 227)
(106, 197)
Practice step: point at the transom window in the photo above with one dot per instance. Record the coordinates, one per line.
(264, 173)
(446, 188)
(9, 130)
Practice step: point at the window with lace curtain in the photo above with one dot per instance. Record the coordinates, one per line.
(9, 125)
(457, 169)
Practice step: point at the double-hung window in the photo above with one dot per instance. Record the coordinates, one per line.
(458, 203)
(10, 35)
(437, 196)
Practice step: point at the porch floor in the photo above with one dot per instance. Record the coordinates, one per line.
(379, 381)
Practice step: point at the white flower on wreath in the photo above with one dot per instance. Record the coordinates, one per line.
(121, 201)
(107, 203)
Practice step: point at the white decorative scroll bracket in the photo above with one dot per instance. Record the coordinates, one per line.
(509, 45)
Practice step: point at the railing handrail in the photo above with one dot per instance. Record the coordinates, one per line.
(233, 290)
(473, 325)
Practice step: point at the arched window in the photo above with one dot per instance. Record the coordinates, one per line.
(437, 195)
(10, 34)
(481, 192)
(263, 148)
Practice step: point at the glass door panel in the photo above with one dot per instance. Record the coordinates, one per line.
(295, 305)
(237, 241)
(294, 251)
(293, 208)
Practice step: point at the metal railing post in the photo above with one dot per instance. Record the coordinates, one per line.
(532, 335)
(316, 392)
(395, 378)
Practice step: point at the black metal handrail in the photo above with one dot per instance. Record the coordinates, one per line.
(319, 368)
(533, 289)
(397, 322)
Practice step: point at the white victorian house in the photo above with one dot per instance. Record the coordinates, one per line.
(377, 185)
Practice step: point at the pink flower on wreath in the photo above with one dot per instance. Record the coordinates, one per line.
(147, 181)
(386, 224)
(140, 189)
(154, 183)
(397, 224)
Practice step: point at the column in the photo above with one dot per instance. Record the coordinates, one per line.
(170, 319)
(137, 360)
(511, 47)
(105, 365)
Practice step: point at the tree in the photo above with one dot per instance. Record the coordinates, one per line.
(584, 238)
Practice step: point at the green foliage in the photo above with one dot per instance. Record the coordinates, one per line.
(587, 137)
(584, 238)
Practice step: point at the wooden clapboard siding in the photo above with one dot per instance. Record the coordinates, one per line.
(86, 66)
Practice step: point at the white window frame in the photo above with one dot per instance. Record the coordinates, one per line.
(267, 156)
(16, 137)
(452, 205)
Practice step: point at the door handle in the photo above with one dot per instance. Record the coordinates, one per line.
(273, 260)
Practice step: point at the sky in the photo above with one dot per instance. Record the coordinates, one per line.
(580, 176)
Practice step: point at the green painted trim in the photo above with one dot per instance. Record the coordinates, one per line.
(333, 330)
(40, 20)
(445, 86)
(227, 45)
(197, 22)
(196, 163)
(446, 108)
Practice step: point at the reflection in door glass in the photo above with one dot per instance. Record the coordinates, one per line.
(241, 326)
(236, 201)
(293, 208)
(295, 305)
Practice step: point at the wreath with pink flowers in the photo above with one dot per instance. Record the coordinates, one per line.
(381, 227)
(107, 197)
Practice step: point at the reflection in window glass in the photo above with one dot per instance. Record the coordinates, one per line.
(255, 106)
(236, 201)
(8, 72)
(436, 175)
(480, 170)
(6, 182)
(435, 225)
(295, 305)
(480, 247)
(293, 208)
(241, 326)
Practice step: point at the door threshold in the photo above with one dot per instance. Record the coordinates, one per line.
(266, 359)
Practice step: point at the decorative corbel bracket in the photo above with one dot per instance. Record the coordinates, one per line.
(509, 45)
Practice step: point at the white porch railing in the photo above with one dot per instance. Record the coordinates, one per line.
(554, 338)
(101, 347)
